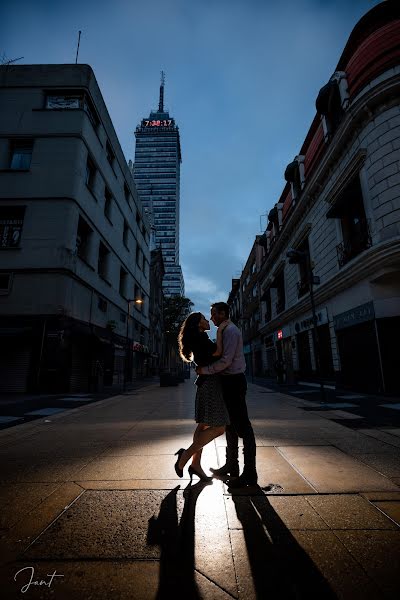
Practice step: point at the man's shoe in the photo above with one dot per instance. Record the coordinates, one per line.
(226, 470)
(241, 482)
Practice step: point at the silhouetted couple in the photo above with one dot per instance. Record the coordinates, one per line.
(220, 398)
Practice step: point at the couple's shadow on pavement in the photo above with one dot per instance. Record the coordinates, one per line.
(177, 544)
(279, 566)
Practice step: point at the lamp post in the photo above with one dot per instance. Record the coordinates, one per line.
(297, 257)
(136, 301)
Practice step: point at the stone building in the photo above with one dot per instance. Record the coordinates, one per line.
(74, 249)
(340, 210)
(157, 333)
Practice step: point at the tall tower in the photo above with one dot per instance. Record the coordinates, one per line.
(157, 176)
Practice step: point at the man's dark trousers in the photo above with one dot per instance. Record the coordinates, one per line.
(234, 388)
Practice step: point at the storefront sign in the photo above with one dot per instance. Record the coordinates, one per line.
(282, 333)
(360, 314)
(307, 322)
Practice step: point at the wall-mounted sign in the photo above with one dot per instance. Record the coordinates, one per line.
(360, 314)
(307, 322)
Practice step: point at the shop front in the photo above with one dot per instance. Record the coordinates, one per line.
(304, 332)
(356, 334)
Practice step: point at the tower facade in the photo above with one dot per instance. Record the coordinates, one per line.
(156, 173)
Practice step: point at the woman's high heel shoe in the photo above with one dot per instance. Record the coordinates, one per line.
(201, 476)
(179, 471)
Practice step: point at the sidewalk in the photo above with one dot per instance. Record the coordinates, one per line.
(90, 496)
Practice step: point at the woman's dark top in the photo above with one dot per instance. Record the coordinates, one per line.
(203, 349)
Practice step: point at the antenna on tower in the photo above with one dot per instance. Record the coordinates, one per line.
(77, 49)
(161, 102)
(6, 62)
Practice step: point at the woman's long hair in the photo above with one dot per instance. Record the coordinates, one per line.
(188, 333)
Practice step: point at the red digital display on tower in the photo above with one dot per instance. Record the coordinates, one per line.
(158, 123)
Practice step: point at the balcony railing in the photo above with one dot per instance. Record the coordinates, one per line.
(359, 242)
(303, 286)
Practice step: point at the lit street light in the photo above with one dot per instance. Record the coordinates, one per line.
(129, 301)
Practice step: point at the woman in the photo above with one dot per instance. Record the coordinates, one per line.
(210, 413)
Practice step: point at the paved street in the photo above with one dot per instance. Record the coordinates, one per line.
(90, 497)
(16, 409)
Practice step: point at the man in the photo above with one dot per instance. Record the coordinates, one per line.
(231, 366)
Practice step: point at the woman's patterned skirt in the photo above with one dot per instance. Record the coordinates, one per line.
(210, 406)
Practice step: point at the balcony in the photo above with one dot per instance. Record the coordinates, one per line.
(303, 286)
(360, 241)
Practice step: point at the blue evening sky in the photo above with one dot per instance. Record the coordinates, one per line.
(241, 81)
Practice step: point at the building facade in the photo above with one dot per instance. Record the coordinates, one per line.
(157, 334)
(340, 212)
(74, 250)
(157, 176)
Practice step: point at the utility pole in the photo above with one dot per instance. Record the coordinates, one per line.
(296, 257)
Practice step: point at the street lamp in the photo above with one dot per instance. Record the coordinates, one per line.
(129, 301)
(297, 257)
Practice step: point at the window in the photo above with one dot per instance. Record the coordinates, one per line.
(266, 297)
(349, 208)
(5, 283)
(21, 155)
(123, 278)
(303, 285)
(83, 237)
(108, 204)
(102, 264)
(126, 193)
(102, 304)
(139, 257)
(90, 173)
(110, 154)
(279, 284)
(71, 101)
(11, 222)
(126, 233)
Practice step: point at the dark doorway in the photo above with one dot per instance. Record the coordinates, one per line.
(389, 334)
(304, 355)
(359, 358)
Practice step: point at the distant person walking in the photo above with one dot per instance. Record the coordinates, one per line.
(231, 366)
(210, 410)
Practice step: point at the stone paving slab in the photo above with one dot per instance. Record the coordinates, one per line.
(143, 524)
(291, 565)
(330, 470)
(292, 512)
(272, 467)
(17, 499)
(108, 580)
(42, 470)
(349, 512)
(386, 464)
(19, 536)
(129, 467)
(382, 435)
(134, 484)
(378, 553)
(391, 509)
(341, 570)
